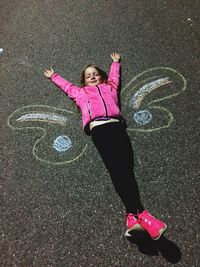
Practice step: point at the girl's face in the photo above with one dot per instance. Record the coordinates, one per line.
(92, 77)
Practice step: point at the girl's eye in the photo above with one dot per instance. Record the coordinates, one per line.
(95, 74)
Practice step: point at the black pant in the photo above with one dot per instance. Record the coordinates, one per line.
(115, 148)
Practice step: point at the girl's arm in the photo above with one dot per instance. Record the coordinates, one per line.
(69, 88)
(114, 74)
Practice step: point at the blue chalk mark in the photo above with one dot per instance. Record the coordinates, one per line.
(62, 143)
(142, 117)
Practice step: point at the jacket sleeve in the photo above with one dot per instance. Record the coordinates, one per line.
(69, 88)
(114, 74)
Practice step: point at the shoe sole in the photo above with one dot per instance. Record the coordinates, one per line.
(161, 232)
(135, 228)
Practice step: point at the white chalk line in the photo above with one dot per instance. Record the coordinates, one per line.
(147, 89)
(56, 110)
(48, 117)
(169, 122)
(153, 69)
(34, 150)
(149, 105)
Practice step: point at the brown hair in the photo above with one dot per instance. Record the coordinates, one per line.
(102, 73)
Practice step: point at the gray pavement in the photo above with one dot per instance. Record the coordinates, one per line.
(58, 206)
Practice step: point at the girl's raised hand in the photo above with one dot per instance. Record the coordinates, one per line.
(115, 57)
(48, 73)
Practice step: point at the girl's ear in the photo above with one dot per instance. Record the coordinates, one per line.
(103, 74)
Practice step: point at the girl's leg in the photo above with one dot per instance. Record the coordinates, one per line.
(115, 148)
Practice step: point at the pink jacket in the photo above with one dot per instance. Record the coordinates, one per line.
(94, 101)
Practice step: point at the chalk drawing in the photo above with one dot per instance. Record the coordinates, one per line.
(146, 89)
(43, 117)
(57, 144)
(142, 117)
(143, 91)
(62, 143)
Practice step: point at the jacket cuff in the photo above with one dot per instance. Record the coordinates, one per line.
(116, 63)
(53, 76)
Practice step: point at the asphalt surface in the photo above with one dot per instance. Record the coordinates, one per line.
(58, 206)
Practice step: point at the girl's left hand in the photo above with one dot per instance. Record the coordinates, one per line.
(115, 57)
(48, 73)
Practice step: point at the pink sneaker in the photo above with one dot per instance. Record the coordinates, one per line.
(153, 226)
(132, 224)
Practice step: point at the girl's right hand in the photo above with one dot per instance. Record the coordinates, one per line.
(48, 73)
(115, 57)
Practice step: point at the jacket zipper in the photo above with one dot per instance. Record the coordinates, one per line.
(103, 101)
(89, 109)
